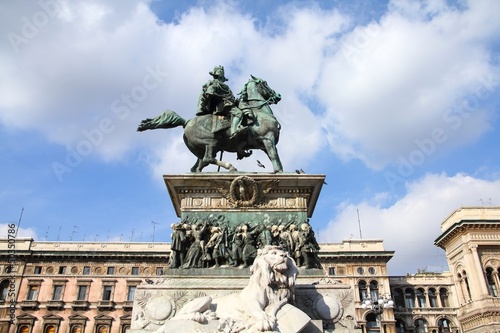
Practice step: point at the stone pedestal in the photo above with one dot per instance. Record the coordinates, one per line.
(245, 197)
(326, 301)
(319, 304)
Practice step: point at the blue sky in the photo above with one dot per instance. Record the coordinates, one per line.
(395, 102)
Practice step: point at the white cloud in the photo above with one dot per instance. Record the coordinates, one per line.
(410, 225)
(363, 86)
(21, 232)
(402, 78)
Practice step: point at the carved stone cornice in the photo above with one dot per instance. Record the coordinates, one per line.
(244, 192)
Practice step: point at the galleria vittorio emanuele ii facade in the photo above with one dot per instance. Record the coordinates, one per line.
(76, 287)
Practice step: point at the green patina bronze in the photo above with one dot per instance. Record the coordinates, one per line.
(224, 123)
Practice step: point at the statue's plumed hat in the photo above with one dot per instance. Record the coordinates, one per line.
(218, 72)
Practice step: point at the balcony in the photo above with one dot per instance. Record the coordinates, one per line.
(80, 305)
(127, 305)
(55, 305)
(106, 305)
(29, 305)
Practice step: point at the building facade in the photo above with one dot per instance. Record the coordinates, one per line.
(471, 239)
(425, 302)
(88, 287)
(72, 287)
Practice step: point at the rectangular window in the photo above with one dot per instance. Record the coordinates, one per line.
(131, 293)
(331, 271)
(57, 292)
(106, 293)
(159, 270)
(135, 270)
(62, 269)
(32, 293)
(86, 270)
(38, 270)
(82, 293)
(111, 270)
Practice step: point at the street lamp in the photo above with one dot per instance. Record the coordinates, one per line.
(378, 307)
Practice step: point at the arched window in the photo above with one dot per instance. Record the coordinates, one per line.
(466, 287)
(374, 291)
(50, 329)
(371, 323)
(400, 326)
(4, 289)
(76, 329)
(421, 298)
(491, 282)
(399, 299)
(443, 296)
(432, 297)
(363, 294)
(420, 326)
(23, 329)
(102, 329)
(409, 298)
(444, 325)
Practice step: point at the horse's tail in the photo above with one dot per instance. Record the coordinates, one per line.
(168, 119)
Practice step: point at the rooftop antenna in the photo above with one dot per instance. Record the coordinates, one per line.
(19, 223)
(359, 225)
(59, 233)
(73, 232)
(47, 233)
(154, 228)
(132, 235)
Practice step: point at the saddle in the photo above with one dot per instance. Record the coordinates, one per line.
(220, 122)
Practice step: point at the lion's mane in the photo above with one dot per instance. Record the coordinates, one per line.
(274, 272)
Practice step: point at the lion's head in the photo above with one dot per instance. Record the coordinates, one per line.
(274, 267)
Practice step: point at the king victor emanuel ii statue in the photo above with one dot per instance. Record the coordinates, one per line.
(226, 123)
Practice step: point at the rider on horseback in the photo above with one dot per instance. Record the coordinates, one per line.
(217, 98)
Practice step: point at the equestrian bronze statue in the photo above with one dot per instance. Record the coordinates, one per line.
(224, 123)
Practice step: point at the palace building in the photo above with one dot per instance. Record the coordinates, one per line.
(88, 287)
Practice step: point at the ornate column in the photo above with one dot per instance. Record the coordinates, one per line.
(478, 273)
(439, 304)
(496, 280)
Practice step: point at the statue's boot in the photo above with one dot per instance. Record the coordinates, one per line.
(235, 126)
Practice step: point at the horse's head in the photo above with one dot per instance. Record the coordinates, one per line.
(258, 89)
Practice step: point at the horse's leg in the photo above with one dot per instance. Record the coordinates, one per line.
(272, 153)
(209, 158)
(225, 165)
(195, 166)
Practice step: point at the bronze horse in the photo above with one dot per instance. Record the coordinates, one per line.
(206, 135)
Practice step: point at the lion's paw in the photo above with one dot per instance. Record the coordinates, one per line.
(266, 323)
(199, 317)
